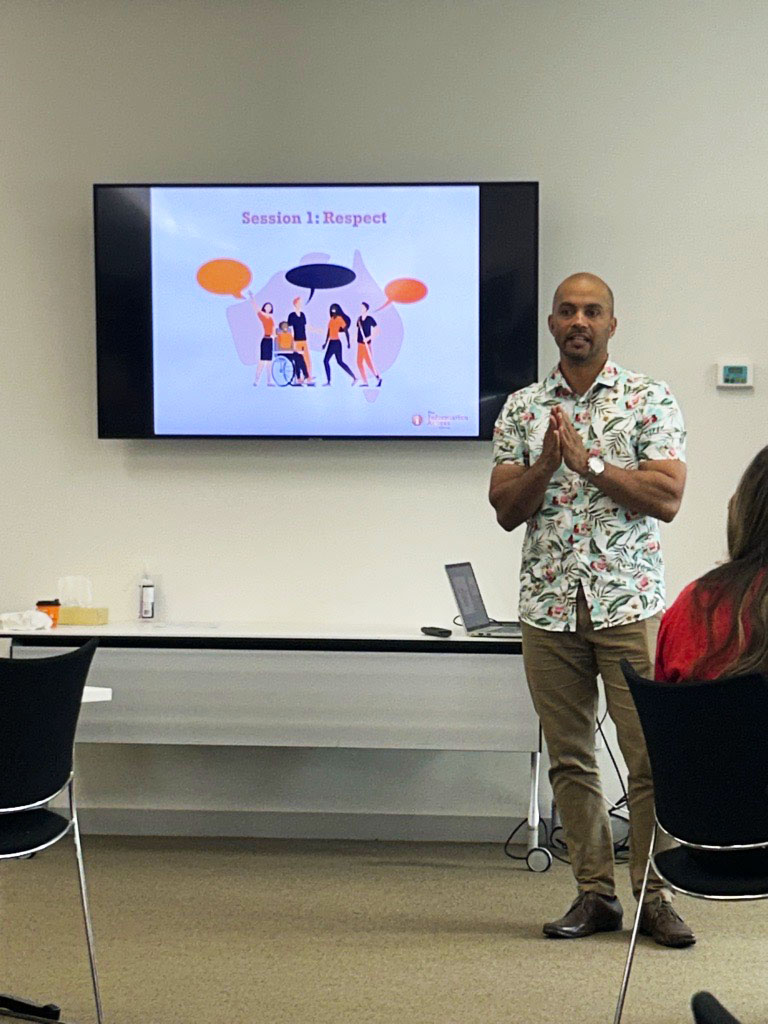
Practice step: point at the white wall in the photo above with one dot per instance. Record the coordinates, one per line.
(644, 123)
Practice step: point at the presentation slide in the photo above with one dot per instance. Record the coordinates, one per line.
(315, 311)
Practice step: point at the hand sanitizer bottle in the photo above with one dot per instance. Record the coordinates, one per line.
(146, 597)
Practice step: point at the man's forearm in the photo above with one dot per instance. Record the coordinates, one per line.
(516, 500)
(647, 492)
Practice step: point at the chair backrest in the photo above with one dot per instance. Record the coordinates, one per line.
(708, 747)
(39, 706)
(707, 1010)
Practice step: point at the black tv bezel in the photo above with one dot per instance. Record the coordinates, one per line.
(127, 384)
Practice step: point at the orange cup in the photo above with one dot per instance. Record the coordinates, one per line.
(50, 608)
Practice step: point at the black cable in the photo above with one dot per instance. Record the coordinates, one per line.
(549, 836)
(548, 843)
(510, 837)
(620, 845)
(613, 759)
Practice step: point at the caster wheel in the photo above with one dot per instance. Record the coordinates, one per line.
(538, 859)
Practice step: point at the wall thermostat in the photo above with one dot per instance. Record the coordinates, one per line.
(734, 375)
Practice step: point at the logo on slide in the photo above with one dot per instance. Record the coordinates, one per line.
(417, 420)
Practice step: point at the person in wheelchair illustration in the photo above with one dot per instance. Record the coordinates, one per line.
(289, 368)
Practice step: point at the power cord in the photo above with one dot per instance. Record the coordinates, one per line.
(621, 845)
(549, 841)
(458, 621)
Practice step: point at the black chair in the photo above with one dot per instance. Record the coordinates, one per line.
(709, 760)
(39, 706)
(707, 1010)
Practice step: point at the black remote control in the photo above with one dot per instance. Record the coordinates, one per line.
(435, 631)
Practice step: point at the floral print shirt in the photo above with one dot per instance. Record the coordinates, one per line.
(579, 535)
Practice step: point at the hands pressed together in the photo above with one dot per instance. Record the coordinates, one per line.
(563, 443)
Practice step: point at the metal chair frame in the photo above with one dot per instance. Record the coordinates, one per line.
(651, 862)
(663, 797)
(72, 825)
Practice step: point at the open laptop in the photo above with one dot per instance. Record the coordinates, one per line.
(461, 576)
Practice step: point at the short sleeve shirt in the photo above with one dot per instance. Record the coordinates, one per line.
(580, 536)
(364, 328)
(335, 325)
(298, 323)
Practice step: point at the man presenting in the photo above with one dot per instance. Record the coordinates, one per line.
(591, 458)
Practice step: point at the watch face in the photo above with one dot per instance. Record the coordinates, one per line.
(596, 464)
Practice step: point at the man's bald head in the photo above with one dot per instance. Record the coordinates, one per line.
(582, 321)
(581, 279)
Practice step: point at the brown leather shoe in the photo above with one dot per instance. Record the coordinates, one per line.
(590, 912)
(661, 921)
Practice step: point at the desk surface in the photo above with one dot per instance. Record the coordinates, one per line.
(257, 636)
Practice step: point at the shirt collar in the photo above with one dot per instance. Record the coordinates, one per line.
(556, 384)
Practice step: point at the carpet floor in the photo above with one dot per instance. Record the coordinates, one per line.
(230, 931)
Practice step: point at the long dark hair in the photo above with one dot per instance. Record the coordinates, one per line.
(336, 310)
(741, 583)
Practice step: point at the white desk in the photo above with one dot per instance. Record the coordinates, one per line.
(293, 686)
(254, 636)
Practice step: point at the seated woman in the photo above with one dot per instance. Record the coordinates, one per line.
(718, 626)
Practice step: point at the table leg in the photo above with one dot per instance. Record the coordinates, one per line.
(534, 818)
(538, 858)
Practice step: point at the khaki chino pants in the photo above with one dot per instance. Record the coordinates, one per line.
(562, 670)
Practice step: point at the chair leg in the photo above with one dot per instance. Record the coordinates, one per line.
(633, 939)
(84, 901)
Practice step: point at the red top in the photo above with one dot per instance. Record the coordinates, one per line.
(683, 639)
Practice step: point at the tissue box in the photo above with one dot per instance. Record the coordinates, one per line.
(71, 615)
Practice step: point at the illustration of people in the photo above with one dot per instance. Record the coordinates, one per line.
(367, 329)
(297, 321)
(286, 347)
(338, 324)
(266, 315)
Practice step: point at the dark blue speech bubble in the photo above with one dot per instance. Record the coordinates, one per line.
(320, 275)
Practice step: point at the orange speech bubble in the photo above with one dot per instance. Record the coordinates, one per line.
(404, 289)
(224, 277)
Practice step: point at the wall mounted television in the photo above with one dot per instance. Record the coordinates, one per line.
(313, 311)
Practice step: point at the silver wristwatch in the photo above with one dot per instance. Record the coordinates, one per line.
(595, 465)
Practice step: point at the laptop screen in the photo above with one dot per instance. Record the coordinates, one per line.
(467, 593)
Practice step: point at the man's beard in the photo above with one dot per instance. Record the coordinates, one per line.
(581, 354)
